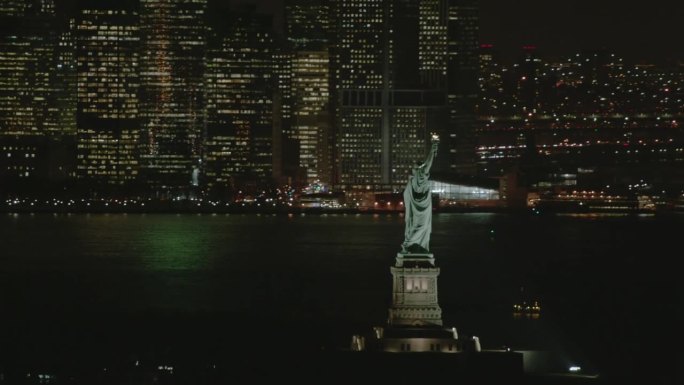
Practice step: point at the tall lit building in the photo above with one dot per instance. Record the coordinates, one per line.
(432, 40)
(240, 92)
(359, 69)
(310, 88)
(107, 54)
(383, 115)
(492, 96)
(66, 82)
(307, 32)
(413, 116)
(462, 86)
(529, 71)
(286, 168)
(307, 23)
(376, 43)
(12, 8)
(172, 61)
(361, 39)
(282, 72)
(408, 115)
(28, 69)
(37, 97)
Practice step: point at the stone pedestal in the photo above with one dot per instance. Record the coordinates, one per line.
(414, 291)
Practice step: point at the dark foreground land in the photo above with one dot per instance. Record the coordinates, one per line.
(324, 367)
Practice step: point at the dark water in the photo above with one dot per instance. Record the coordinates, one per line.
(78, 289)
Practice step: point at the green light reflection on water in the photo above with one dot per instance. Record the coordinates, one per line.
(175, 243)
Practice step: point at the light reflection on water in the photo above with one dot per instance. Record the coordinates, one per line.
(207, 273)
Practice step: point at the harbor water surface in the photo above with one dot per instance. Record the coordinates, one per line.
(79, 289)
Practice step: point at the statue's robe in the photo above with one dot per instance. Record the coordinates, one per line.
(418, 218)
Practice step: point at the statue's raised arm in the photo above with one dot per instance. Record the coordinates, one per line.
(418, 206)
(431, 156)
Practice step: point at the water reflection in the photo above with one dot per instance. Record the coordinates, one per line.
(173, 245)
(140, 277)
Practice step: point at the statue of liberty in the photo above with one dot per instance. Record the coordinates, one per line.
(418, 206)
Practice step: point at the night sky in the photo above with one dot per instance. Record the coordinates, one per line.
(642, 32)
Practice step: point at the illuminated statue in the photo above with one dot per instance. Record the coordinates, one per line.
(418, 205)
(195, 176)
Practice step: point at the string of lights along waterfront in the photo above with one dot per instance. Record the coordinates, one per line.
(204, 99)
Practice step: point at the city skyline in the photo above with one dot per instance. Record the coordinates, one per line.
(557, 28)
(340, 191)
(640, 34)
(171, 98)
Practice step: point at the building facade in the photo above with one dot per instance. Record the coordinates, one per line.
(462, 87)
(383, 113)
(432, 39)
(172, 64)
(108, 119)
(240, 89)
(308, 39)
(29, 92)
(310, 126)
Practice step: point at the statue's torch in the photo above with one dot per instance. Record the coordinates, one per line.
(435, 142)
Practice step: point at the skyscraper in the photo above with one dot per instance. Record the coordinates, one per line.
(383, 115)
(37, 97)
(462, 86)
(361, 70)
(307, 23)
(361, 28)
(432, 41)
(282, 72)
(28, 69)
(66, 82)
(12, 8)
(310, 89)
(172, 90)
(307, 31)
(107, 54)
(240, 104)
(285, 157)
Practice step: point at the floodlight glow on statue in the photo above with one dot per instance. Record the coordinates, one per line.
(418, 206)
